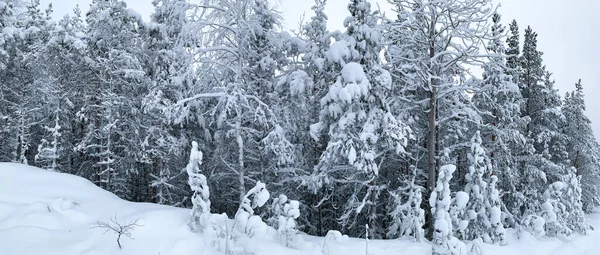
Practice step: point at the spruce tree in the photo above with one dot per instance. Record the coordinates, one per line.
(584, 151)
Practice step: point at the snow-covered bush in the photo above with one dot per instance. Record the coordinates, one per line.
(220, 235)
(333, 236)
(287, 211)
(245, 220)
(571, 197)
(496, 231)
(459, 214)
(534, 224)
(200, 198)
(554, 211)
(407, 217)
(444, 243)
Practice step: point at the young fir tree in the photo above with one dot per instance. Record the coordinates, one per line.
(584, 152)
(481, 206)
(407, 215)
(200, 215)
(360, 124)
(246, 221)
(286, 212)
(572, 201)
(443, 242)
(554, 211)
(499, 101)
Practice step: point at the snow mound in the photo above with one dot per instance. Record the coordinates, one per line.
(49, 213)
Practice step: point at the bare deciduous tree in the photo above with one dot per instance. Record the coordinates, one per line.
(121, 229)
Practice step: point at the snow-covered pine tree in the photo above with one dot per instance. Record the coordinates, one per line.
(321, 70)
(547, 161)
(443, 242)
(200, 215)
(361, 127)
(63, 62)
(112, 113)
(407, 215)
(168, 62)
(48, 151)
(428, 61)
(513, 51)
(499, 102)
(554, 211)
(572, 201)
(494, 210)
(584, 152)
(476, 187)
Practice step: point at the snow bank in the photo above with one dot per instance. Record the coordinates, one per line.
(48, 213)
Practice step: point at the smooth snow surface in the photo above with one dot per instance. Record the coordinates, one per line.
(43, 212)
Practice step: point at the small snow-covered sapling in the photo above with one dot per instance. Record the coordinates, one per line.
(120, 229)
(245, 220)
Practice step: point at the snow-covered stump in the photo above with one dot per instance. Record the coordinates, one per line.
(444, 243)
(200, 215)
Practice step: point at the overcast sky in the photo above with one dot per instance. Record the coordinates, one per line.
(567, 34)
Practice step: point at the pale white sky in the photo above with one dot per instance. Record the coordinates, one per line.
(567, 34)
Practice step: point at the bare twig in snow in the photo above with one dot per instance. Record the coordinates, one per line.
(121, 229)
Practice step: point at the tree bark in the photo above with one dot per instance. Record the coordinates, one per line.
(432, 128)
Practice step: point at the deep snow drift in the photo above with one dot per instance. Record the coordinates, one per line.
(43, 212)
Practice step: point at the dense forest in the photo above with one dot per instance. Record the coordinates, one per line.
(435, 122)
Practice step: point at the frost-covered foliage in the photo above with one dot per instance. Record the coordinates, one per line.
(48, 151)
(554, 211)
(287, 211)
(499, 100)
(483, 208)
(459, 214)
(571, 199)
(444, 242)
(200, 215)
(584, 152)
(245, 221)
(494, 206)
(356, 114)
(425, 56)
(476, 189)
(353, 124)
(408, 217)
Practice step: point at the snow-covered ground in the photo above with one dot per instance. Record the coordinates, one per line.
(42, 212)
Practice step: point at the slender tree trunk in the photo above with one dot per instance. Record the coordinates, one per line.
(240, 143)
(431, 159)
(494, 114)
(432, 131)
(576, 162)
